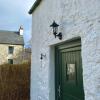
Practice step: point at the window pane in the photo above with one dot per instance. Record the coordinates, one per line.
(11, 49)
(70, 70)
(10, 61)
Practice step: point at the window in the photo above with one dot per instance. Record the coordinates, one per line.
(10, 61)
(10, 49)
(70, 72)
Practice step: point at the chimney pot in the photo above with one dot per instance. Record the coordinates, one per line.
(21, 30)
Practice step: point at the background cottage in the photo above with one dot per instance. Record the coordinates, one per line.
(11, 46)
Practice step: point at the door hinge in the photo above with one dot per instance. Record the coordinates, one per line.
(59, 90)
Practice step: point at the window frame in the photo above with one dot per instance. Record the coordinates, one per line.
(10, 49)
(10, 61)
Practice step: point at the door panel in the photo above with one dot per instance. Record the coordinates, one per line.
(69, 72)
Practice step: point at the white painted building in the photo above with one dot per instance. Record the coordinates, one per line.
(79, 22)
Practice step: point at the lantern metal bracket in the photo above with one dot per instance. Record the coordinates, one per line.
(42, 56)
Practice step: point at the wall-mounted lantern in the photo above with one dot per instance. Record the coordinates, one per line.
(54, 25)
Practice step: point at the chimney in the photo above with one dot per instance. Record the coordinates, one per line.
(21, 31)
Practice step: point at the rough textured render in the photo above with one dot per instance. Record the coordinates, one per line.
(16, 56)
(77, 18)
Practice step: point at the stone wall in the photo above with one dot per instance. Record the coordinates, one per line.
(16, 56)
(77, 18)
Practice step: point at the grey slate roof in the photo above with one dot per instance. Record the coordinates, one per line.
(10, 37)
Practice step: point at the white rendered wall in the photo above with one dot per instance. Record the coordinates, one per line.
(77, 18)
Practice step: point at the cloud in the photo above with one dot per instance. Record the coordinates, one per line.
(14, 13)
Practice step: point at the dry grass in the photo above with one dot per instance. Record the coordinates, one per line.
(15, 82)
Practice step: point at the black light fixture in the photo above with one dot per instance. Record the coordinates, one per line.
(54, 25)
(42, 56)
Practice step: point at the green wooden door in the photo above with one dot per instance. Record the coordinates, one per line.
(69, 79)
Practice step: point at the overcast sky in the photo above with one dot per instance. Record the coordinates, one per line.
(14, 13)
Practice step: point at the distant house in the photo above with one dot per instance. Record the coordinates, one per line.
(11, 46)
